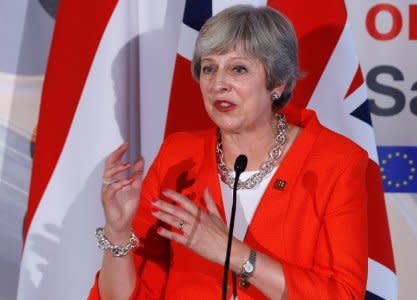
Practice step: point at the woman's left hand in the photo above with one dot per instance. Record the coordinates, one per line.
(204, 232)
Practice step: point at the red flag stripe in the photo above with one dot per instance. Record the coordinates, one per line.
(67, 71)
(356, 82)
(186, 109)
(312, 23)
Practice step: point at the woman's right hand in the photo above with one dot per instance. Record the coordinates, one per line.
(120, 195)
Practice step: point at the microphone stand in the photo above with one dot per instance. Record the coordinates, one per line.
(240, 166)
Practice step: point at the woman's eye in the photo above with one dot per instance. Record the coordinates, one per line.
(207, 69)
(240, 69)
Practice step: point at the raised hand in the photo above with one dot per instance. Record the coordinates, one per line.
(204, 232)
(119, 194)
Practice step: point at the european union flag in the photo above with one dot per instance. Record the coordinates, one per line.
(398, 168)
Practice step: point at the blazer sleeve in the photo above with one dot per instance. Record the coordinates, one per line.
(151, 259)
(339, 270)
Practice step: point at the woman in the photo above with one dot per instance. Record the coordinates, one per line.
(301, 227)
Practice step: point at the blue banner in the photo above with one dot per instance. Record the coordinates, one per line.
(398, 168)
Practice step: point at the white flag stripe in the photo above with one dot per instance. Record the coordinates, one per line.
(59, 248)
(362, 133)
(381, 281)
(328, 97)
(187, 40)
(358, 131)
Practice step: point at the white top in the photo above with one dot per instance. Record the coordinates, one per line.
(247, 201)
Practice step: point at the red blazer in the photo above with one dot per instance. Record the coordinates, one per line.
(316, 226)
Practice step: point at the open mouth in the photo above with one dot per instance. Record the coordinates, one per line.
(223, 105)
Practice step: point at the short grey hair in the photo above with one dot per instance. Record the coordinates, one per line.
(264, 33)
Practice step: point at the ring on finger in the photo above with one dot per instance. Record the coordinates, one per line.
(181, 226)
(106, 181)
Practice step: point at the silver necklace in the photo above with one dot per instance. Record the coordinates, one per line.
(266, 167)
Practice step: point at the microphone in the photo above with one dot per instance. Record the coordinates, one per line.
(240, 166)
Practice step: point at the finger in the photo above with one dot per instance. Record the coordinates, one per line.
(138, 166)
(113, 188)
(137, 171)
(116, 155)
(177, 212)
(185, 203)
(179, 238)
(211, 205)
(168, 219)
(112, 171)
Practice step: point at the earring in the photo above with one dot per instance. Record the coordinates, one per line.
(275, 96)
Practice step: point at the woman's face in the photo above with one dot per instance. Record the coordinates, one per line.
(234, 91)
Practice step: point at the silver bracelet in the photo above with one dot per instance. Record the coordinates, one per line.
(115, 250)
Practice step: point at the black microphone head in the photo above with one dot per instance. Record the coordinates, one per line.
(241, 163)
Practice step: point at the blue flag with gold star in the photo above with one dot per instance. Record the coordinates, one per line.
(398, 168)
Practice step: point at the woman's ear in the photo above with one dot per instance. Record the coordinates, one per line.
(276, 92)
(279, 89)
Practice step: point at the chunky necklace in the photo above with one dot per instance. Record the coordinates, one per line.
(266, 167)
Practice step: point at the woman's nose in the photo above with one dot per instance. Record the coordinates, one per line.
(221, 82)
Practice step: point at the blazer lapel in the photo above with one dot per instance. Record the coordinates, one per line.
(265, 232)
(207, 173)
